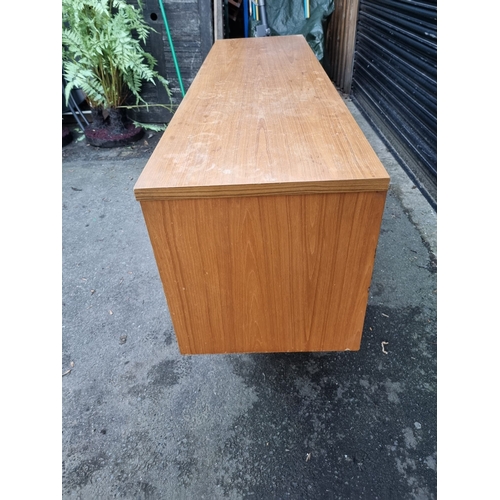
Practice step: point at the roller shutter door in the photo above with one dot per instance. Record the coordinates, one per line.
(395, 82)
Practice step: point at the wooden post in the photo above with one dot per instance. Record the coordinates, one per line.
(341, 43)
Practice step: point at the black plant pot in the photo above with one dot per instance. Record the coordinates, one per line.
(113, 131)
(67, 136)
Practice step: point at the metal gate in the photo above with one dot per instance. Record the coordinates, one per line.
(395, 82)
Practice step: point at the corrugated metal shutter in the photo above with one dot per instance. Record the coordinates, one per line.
(395, 81)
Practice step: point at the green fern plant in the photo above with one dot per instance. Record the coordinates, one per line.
(103, 53)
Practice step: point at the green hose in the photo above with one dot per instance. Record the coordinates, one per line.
(172, 47)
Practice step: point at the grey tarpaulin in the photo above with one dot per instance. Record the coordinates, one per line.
(286, 17)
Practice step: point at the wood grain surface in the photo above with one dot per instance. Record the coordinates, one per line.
(269, 273)
(261, 118)
(263, 202)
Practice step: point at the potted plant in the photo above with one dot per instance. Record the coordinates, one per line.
(103, 55)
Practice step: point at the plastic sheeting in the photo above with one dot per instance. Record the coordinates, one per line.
(287, 17)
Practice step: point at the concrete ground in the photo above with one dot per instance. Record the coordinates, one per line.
(141, 421)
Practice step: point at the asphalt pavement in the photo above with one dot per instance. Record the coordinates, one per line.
(141, 421)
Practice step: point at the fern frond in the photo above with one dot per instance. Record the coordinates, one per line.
(151, 126)
(103, 52)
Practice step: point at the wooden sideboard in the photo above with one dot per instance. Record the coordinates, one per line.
(263, 202)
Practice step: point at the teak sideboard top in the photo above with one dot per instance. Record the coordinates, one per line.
(261, 118)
